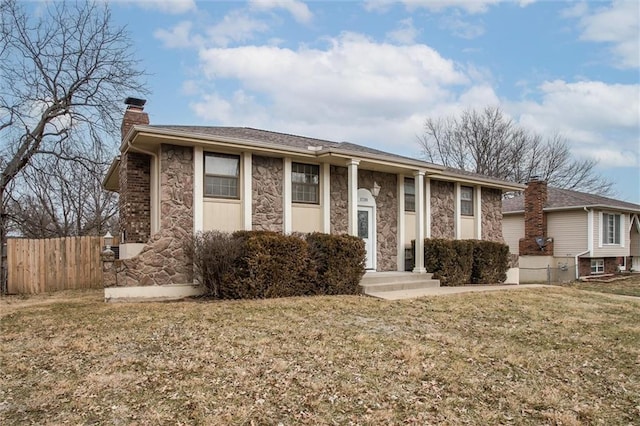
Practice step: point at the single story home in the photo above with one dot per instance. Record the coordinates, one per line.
(573, 233)
(177, 180)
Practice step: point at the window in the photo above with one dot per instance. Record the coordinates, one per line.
(611, 228)
(221, 175)
(305, 183)
(597, 266)
(409, 195)
(466, 200)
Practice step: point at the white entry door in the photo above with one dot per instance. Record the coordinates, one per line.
(366, 232)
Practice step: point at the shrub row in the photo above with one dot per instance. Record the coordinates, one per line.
(458, 262)
(263, 264)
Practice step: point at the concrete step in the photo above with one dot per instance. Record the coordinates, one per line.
(374, 284)
(390, 277)
(403, 294)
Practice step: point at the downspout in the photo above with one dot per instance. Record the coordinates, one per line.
(589, 238)
(157, 167)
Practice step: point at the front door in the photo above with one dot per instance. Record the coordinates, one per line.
(365, 231)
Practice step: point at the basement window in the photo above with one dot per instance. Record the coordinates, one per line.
(597, 266)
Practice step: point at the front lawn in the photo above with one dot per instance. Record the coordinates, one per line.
(545, 356)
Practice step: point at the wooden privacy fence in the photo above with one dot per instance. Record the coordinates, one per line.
(39, 266)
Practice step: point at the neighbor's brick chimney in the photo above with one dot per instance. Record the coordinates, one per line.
(535, 220)
(135, 180)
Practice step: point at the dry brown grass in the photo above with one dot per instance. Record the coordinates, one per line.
(547, 356)
(627, 286)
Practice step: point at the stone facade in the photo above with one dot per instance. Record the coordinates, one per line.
(535, 220)
(135, 197)
(442, 210)
(386, 216)
(267, 186)
(162, 260)
(339, 200)
(491, 201)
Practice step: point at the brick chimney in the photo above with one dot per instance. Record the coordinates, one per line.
(135, 181)
(536, 241)
(133, 115)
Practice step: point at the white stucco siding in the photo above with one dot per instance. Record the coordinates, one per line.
(569, 231)
(513, 230)
(600, 249)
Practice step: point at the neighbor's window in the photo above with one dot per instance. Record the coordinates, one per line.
(611, 228)
(305, 183)
(597, 266)
(409, 195)
(221, 175)
(466, 200)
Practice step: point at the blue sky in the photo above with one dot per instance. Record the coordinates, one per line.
(371, 72)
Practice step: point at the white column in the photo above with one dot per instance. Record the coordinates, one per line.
(198, 189)
(477, 199)
(247, 191)
(326, 198)
(401, 224)
(352, 204)
(456, 213)
(419, 190)
(427, 208)
(286, 197)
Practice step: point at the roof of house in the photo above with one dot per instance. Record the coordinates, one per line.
(303, 142)
(565, 199)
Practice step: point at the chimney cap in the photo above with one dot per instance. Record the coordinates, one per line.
(135, 102)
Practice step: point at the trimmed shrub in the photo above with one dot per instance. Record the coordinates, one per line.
(339, 262)
(213, 255)
(270, 265)
(490, 262)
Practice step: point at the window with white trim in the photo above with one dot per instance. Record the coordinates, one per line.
(610, 228)
(409, 195)
(597, 266)
(466, 201)
(221, 175)
(305, 183)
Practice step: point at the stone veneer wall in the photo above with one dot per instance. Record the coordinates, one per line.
(386, 216)
(135, 191)
(491, 201)
(162, 260)
(442, 209)
(339, 200)
(267, 201)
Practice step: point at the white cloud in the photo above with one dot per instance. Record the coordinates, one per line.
(469, 6)
(236, 26)
(599, 120)
(618, 25)
(355, 89)
(297, 9)
(462, 28)
(179, 36)
(406, 33)
(175, 7)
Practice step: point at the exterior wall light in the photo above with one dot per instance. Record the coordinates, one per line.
(108, 240)
(376, 189)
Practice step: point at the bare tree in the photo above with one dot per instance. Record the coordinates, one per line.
(488, 143)
(57, 198)
(63, 73)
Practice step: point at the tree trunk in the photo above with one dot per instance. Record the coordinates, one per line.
(4, 284)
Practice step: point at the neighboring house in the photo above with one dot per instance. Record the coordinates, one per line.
(176, 180)
(574, 233)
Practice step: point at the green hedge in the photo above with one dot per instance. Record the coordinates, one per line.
(459, 262)
(264, 264)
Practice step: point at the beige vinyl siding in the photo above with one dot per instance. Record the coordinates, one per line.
(409, 228)
(609, 250)
(467, 227)
(569, 230)
(513, 230)
(306, 218)
(634, 244)
(222, 215)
